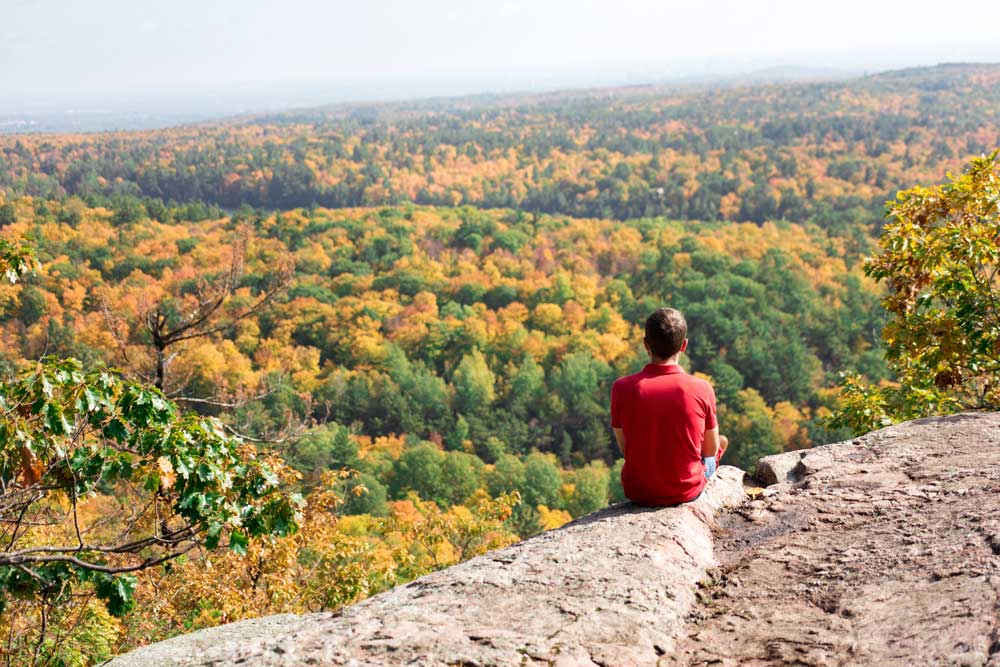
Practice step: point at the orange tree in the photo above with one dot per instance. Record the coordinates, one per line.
(941, 262)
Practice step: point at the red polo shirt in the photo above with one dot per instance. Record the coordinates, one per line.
(664, 413)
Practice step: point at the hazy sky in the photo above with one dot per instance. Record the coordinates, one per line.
(70, 46)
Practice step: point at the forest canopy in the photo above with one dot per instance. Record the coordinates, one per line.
(405, 319)
(830, 153)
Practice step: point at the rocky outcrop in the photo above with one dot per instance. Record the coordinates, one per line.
(779, 468)
(884, 550)
(612, 588)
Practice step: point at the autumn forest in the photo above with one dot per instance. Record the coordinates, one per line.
(411, 315)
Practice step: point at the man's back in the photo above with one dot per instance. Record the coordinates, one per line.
(664, 413)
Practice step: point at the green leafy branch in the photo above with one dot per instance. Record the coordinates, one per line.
(16, 260)
(168, 482)
(940, 260)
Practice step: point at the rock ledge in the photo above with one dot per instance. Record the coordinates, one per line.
(884, 550)
(611, 588)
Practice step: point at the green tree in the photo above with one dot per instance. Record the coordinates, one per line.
(507, 475)
(458, 435)
(491, 448)
(8, 214)
(750, 428)
(726, 380)
(463, 473)
(474, 384)
(426, 394)
(33, 305)
(527, 386)
(590, 489)
(365, 494)
(127, 210)
(616, 493)
(420, 468)
(326, 447)
(542, 481)
(510, 475)
(578, 379)
(940, 259)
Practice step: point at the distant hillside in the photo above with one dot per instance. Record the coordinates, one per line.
(942, 74)
(828, 153)
(793, 78)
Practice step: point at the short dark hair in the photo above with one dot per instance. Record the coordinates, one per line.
(666, 330)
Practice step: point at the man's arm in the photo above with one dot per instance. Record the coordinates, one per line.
(710, 445)
(620, 438)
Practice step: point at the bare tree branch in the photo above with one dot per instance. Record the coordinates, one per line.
(202, 320)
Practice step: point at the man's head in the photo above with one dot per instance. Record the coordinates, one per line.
(666, 334)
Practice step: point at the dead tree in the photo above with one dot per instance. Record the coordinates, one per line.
(166, 323)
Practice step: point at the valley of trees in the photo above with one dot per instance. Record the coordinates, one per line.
(404, 320)
(827, 153)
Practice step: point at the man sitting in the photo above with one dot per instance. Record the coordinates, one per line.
(664, 421)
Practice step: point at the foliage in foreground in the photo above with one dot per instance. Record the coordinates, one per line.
(331, 561)
(101, 478)
(166, 483)
(941, 262)
(16, 260)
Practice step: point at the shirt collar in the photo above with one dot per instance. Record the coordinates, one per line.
(662, 369)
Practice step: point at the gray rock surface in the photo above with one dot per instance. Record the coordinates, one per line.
(611, 588)
(885, 552)
(793, 466)
(778, 468)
